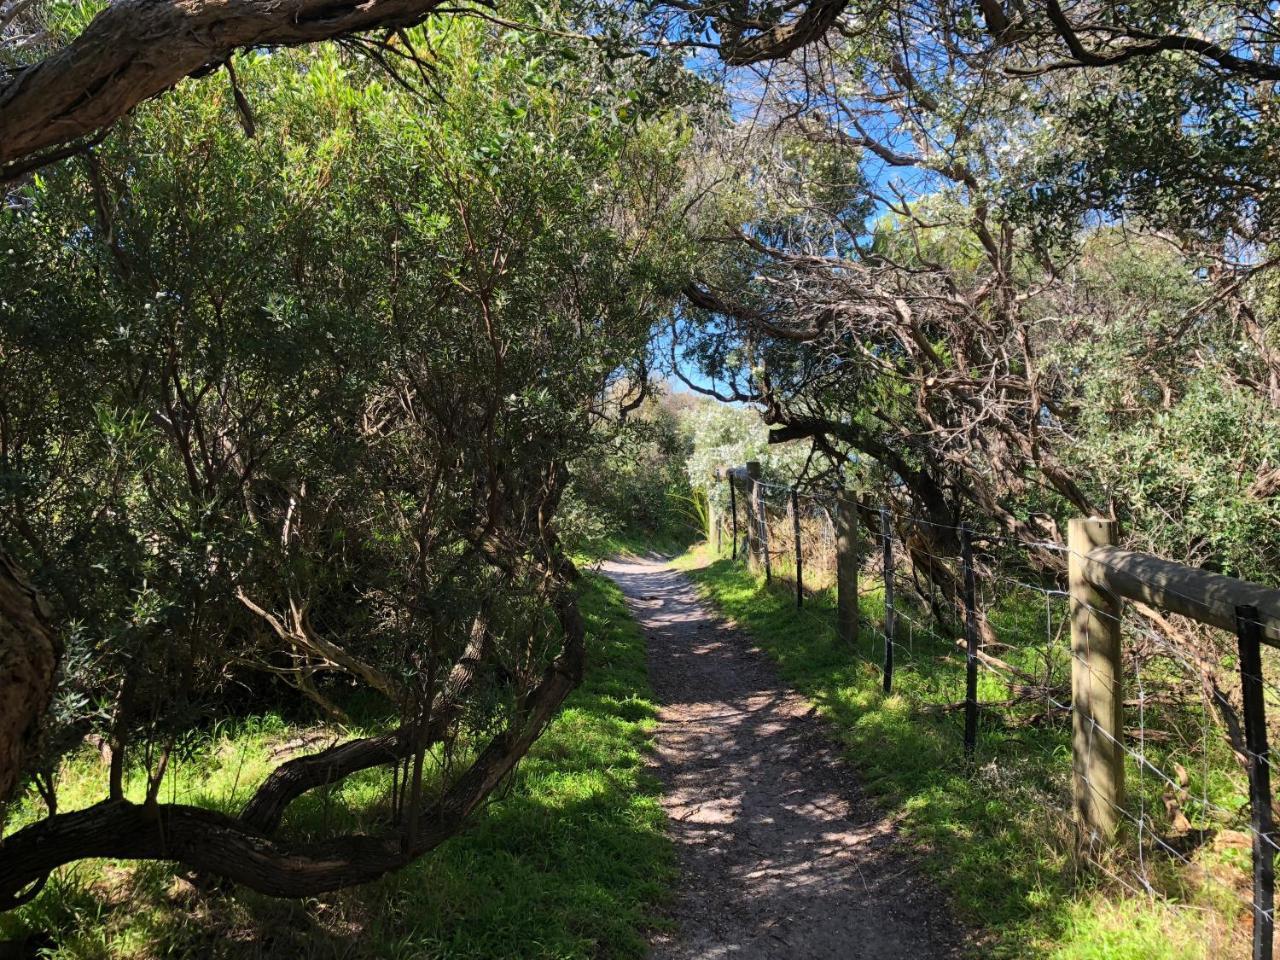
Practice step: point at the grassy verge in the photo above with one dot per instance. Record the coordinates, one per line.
(570, 862)
(993, 830)
(636, 543)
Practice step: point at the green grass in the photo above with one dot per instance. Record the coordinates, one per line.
(571, 861)
(994, 831)
(635, 542)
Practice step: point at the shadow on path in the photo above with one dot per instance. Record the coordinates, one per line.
(779, 854)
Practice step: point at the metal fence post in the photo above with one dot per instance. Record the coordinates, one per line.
(886, 534)
(846, 524)
(1097, 694)
(971, 645)
(795, 532)
(751, 528)
(1249, 640)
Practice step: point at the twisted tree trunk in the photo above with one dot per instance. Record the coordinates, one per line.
(29, 656)
(291, 780)
(214, 843)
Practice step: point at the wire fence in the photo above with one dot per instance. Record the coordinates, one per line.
(970, 623)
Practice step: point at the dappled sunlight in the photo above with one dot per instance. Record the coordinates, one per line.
(993, 833)
(569, 858)
(782, 856)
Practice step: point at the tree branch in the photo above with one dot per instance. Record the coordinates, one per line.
(136, 49)
(780, 40)
(215, 843)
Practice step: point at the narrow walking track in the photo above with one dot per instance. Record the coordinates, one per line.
(780, 857)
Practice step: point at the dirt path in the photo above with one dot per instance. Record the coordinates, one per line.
(779, 855)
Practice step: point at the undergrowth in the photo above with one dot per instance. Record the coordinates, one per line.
(570, 861)
(996, 831)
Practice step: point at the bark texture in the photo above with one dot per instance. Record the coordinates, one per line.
(29, 655)
(136, 49)
(214, 843)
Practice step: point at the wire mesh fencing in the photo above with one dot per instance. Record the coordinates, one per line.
(1152, 759)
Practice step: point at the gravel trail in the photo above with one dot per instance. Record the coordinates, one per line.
(780, 855)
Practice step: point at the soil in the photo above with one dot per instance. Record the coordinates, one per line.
(780, 853)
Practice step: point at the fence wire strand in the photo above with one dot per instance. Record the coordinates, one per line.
(1023, 611)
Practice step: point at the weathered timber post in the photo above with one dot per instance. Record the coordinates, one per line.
(762, 511)
(1249, 639)
(1097, 694)
(795, 533)
(751, 540)
(846, 517)
(886, 534)
(971, 644)
(733, 508)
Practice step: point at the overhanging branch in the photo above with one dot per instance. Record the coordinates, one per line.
(737, 48)
(214, 843)
(136, 49)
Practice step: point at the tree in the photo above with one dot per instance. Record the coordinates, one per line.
(928, 272)
(135, 50)
(132, 50)
(321, 428)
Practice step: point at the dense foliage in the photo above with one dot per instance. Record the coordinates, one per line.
(967, 276)
(314, 370)
(302, 406)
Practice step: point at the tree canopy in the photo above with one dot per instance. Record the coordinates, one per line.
(302, 406)
(304, 346)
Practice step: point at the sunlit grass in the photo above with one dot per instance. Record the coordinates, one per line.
(639, 543)
(571, 861)
(996, 831)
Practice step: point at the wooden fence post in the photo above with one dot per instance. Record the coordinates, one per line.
(713, 521)
(733, 508)
(886, 534)
(1249, 639)
(795, 532)
(762, 511)
(846, 518)
(1097, 694)
(751, 531)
